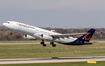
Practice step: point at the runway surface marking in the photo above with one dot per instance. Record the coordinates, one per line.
(50, 60)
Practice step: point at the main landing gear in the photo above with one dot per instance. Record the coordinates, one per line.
(44, 45)
(52, 43)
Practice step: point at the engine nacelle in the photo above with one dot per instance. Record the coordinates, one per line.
(29, 37)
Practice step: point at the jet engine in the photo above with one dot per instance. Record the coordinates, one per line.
(29, 37)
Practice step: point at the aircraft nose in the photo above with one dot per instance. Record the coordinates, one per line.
(4, 24)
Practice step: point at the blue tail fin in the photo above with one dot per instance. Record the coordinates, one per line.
(86, 37)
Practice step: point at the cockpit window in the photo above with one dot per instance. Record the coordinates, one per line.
(8, 22)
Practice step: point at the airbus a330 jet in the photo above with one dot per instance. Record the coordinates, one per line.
(51, 36)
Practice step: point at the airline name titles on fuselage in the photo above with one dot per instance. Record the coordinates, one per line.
(27, 26)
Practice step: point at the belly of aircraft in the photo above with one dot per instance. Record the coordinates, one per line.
(62, 40)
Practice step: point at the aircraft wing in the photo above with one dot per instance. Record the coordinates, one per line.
(57, 36)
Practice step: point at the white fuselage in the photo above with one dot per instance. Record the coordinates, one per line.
(36, 32)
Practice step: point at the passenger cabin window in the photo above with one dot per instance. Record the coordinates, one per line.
(8, 22)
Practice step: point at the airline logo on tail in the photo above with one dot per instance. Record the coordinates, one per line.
(88, 36)
(85, 37)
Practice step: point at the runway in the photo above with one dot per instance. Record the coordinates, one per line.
(39, 43)
(50, 60)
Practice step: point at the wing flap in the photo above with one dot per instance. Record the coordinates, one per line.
(57, 36)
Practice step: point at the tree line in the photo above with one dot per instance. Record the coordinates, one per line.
(5, 34)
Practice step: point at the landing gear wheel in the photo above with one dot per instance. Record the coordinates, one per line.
(54, 45)
(44, 45)
(42, 42)
(51, 43)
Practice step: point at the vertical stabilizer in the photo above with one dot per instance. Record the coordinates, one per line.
(86, 37)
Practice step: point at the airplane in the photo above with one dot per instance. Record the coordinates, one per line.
(43, 34)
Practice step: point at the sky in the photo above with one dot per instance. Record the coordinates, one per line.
(54, 13)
